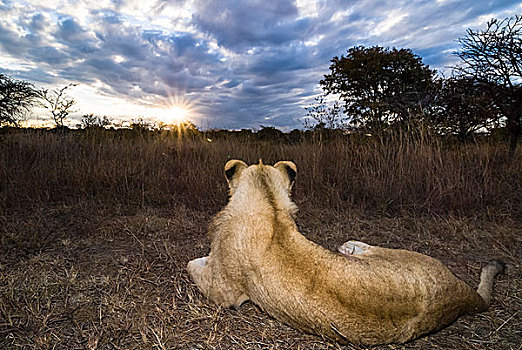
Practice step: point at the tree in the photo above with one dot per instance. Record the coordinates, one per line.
(269, 133)
(493, 57)
(17, 97)
(321, 113)
(464, 107)
(90, 122)
(58, 103)
(380, 86)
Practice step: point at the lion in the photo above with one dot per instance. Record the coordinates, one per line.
(362, 294)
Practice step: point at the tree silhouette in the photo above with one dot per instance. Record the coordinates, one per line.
(91, 121)
(269, 133)
(321, 113)
(17, 97)
(464, 107)
(379, 86)
(58, 103)
(493, 57)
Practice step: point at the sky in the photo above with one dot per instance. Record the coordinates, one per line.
(221, 64)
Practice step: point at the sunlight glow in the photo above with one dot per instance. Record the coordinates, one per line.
(173, 115)
(176, 111)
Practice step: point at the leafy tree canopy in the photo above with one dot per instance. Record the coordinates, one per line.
(464, 107)
(380, 85)
(17, 97)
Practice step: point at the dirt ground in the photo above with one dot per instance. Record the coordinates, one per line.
(89, 276)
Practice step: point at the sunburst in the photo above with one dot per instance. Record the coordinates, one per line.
(173, 115)
(176, 111)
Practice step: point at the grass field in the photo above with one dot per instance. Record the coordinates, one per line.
(96, 231)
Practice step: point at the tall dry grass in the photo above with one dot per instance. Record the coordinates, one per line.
(389, 175)
(96, 230)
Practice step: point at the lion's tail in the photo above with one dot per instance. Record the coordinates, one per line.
(487, 277)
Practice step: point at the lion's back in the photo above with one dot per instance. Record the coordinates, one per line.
(397, 295)
(388, 296)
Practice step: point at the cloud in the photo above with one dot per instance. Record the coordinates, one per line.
(243, 63)
(250, 23)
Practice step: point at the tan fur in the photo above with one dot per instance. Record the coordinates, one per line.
(366, 295)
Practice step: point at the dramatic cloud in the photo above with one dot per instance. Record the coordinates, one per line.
(239, 64)
(246, 24)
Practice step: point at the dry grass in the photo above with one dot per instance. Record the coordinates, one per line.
(95, 234)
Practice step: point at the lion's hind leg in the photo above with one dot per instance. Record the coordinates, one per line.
(213, 284)
(200, 262)
(354, 248)
(199, 273)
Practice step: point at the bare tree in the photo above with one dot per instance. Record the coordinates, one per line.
(58, 103)
(17, 97)
(493, 57)
(329, 116)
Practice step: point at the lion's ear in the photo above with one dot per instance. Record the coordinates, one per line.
(289, 170)
(233, 168)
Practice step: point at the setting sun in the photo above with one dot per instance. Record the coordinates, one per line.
(177, 110)
(173, 115)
